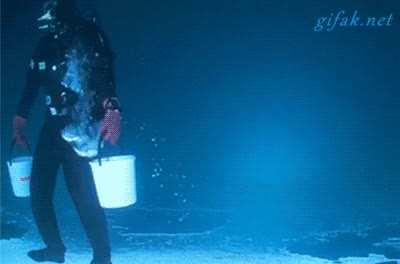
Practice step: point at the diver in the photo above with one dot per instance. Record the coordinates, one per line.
(73, 67)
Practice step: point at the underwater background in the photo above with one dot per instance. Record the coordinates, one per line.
(257, 139)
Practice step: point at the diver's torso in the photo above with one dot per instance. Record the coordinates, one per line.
(74, 71)
(62, 68)
(50, 62)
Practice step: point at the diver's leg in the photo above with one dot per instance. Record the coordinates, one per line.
(46, 162)
(79, 180)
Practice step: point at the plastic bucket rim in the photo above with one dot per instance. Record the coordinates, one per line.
(20, 160)
(115, 158)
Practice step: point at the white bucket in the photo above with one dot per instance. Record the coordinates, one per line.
(20, 175)
(115, 181)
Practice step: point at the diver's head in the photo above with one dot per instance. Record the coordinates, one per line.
(57, 14)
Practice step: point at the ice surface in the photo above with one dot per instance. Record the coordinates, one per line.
(135, 245)
(14, 251)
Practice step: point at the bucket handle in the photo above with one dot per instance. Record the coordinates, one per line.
(100, 147)
(12, 147)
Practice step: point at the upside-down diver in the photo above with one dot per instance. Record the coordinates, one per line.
(73, 66)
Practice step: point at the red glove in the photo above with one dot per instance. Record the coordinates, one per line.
(19, 124)
(111, 126)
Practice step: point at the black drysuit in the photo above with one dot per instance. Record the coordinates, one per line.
(89, 75)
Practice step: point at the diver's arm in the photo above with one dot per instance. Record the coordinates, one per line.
(102, 78)
(104, 83)
(111, 124)
(26, 102)
(30, 92)
(32, 82)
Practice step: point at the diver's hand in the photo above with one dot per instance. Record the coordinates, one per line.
(111, 126)
(19, 124)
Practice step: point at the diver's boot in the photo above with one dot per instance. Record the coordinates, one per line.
(47, 254)
(101, 256)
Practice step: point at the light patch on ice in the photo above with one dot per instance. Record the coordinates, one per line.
(390, 242)
(372, 259)
(180, 235)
